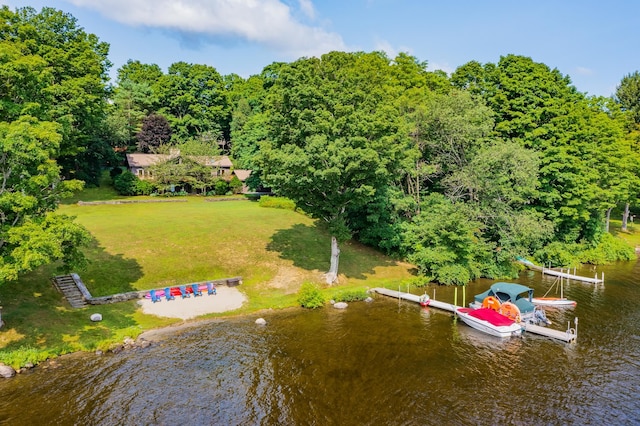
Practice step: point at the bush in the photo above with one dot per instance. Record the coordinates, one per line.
(352, 295)
(221, 187)
(235, 185)
(145, 187)
(610, 249)
(277, 203)
(126, 183)
(25, 355)
(310, 296)
(453, 275)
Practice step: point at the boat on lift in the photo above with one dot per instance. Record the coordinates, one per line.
(561, 302)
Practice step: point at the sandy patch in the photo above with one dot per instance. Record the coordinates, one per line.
(226, 299)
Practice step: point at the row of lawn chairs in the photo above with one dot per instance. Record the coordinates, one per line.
(195, 290)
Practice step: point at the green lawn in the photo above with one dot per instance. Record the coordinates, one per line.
(150, 245)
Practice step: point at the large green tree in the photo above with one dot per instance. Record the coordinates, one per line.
(628, 95)
(30, 189)
(335, 137)
(44, 110)
(574, 137)
(75, 92)
(194, 100)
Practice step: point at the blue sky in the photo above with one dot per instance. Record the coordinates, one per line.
(596, 43)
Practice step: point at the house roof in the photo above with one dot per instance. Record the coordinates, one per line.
(146, 160)
(220, 161)
(242, 174)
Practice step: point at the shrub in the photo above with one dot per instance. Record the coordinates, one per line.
(610, 249)
(352, 295)
(277, 203)
(453, 275)
(235, 185)
(310, 296)
(419, 281)
(145, 187)
(25, 355)
(221, 187)
(126, 183)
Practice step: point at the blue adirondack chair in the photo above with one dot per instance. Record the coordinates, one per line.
(154, 297)
(211, 289)
(196, 290)
(167, 294)
(183, 291)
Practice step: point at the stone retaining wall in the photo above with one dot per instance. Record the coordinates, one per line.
(95, 203)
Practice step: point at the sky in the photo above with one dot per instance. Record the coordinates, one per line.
(595, 42)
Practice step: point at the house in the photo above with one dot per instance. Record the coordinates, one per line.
(139, 164)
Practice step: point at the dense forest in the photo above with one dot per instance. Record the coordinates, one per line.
(458, 174)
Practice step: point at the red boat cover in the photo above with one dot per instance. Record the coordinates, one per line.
(491, 316)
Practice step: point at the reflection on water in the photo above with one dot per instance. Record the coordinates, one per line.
(375, 363)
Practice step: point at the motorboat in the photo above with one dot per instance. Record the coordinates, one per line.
(489, 321)
(512, 300)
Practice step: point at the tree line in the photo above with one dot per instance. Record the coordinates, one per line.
(459, 174)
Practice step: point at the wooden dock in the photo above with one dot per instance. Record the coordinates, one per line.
(595, 280)
(554, 272)
(566, 336)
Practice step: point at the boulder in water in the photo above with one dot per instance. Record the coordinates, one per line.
(340, 305)
(7, 371)
(261, 321)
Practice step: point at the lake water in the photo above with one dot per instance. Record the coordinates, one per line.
(380, 363)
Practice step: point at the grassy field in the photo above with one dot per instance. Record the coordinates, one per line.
(150, 245)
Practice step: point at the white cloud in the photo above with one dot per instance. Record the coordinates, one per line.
(266, 22)
(433, 66)
(584, 71)
(307, 8)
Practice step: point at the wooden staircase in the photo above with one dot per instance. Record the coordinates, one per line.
(66, 285)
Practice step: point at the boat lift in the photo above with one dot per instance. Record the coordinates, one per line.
(569, 335)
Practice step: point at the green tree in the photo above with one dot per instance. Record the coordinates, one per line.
(574, 137)
(132, 102)
(30, 234)
(138, 73)
(445, 243)
(628, 95)
(194, 100)
(74, 95)
(335, 137)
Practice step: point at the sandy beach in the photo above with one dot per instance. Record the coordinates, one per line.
(226, 299)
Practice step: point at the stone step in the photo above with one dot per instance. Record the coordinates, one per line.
(69, 289)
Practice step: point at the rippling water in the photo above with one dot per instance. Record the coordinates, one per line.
(385, 362)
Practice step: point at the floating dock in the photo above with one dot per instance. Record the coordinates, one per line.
(566, 336)
(560, 273)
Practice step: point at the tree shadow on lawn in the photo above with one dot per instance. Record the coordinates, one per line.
(36, 315)
(107, 273)
(310, 248)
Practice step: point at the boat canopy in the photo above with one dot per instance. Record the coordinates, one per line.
(515, 293)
